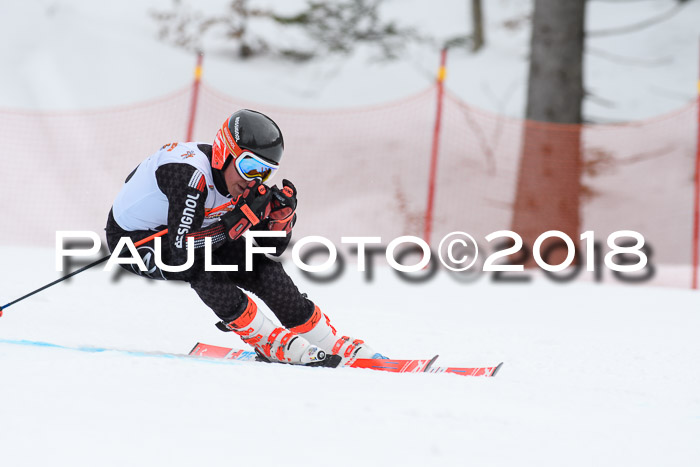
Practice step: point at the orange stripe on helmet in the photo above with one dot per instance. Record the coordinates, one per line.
(224, 144)
(229, 141)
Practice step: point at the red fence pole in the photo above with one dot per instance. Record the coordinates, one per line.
(696, 199)
(195, 95)
(428, 226)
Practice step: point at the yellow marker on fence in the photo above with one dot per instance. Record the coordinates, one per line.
(442, 72)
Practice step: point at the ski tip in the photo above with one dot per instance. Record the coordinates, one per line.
(495, 370)
(430, 363)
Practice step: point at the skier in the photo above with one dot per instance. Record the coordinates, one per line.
(176, 187)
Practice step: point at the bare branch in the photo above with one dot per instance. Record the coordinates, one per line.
(332, 27)
(637, 26)
(650, 62)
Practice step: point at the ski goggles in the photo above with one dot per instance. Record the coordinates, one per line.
(249, 165)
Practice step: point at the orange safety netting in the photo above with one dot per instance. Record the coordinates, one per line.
(364, 171)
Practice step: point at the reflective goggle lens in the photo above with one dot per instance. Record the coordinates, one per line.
(250, 167)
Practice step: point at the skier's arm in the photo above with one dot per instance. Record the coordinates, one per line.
(185, 188)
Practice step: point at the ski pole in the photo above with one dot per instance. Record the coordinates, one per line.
(102, 260)
(84, 268)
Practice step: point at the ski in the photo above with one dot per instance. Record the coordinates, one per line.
(224, 355)
(394, 366)
(477, 371)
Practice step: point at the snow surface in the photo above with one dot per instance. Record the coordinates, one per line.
(593, 375)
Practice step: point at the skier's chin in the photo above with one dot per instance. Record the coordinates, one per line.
(237, 188)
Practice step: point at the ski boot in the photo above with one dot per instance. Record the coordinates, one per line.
(276, 343)
(319, 331)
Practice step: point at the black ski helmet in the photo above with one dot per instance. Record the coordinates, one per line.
(247, 130)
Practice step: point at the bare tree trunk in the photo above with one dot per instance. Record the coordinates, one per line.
(477, 26)
(549, 178)
(555, 84)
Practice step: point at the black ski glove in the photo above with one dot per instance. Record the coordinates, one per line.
(253, 206)
(283, 205)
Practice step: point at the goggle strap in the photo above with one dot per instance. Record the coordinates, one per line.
(227, 161)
